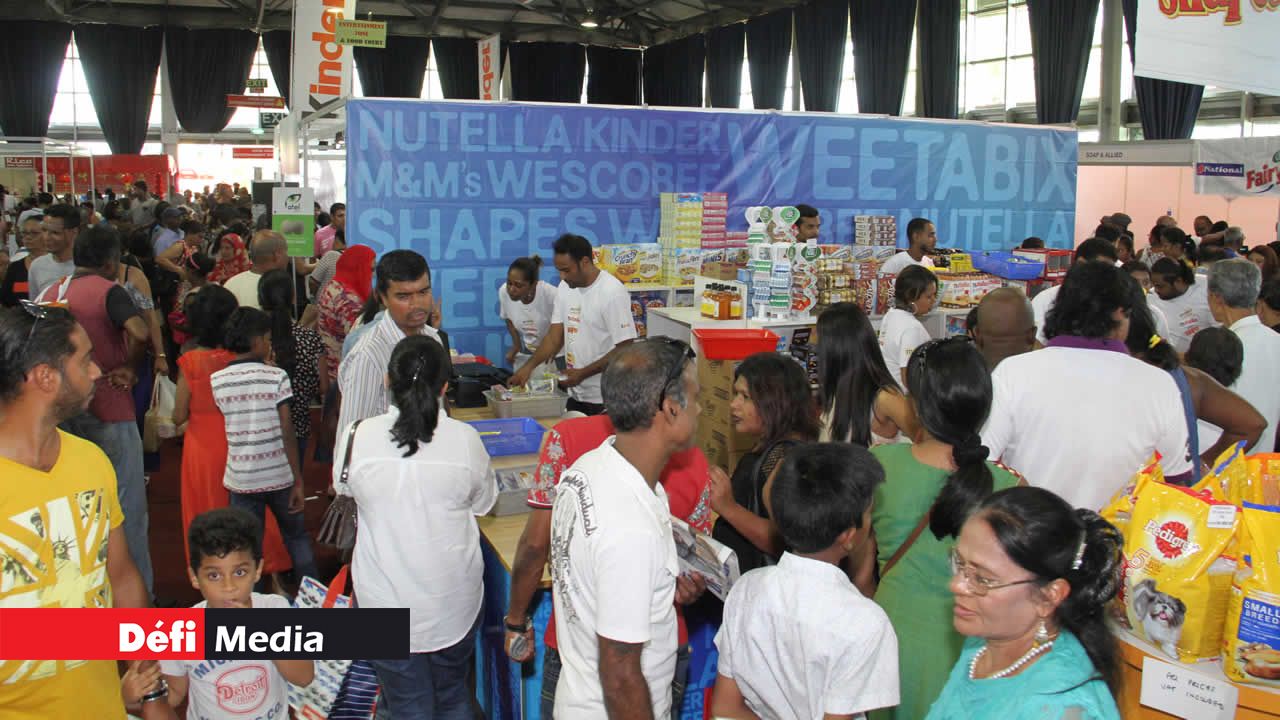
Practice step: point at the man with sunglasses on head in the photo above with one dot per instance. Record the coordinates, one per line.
(64, 541)
(686, 481)
(614, 565)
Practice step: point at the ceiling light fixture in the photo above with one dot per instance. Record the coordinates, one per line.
(589, 22)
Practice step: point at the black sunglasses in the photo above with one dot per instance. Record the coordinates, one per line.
(673, 373)
(37, 311)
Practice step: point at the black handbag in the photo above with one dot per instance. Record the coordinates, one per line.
(338, 528)
(470, 380)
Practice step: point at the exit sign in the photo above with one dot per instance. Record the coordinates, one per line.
(257, 84)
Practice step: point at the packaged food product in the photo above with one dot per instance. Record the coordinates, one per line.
(1229, 478)
(1177, 581)
(1251, 640)
(1120, 508)
(1264, 478)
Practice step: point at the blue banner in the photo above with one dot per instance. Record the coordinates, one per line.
(473, 186)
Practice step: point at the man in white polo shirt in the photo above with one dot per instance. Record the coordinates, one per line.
(1233, 296)
(592, 316)
(922, 238)
(613, 560)
(1081, 416)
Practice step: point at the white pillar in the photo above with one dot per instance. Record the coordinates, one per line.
(1110, 104)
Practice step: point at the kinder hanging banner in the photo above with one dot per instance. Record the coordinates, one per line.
(1238, 167)
(321, 67)
(473, 186)
(1227, 43)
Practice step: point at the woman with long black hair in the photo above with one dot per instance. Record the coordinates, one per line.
(298, 350)
(930, 489)
(419, 478)
(861, 402)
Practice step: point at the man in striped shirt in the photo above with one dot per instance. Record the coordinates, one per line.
(404, 288)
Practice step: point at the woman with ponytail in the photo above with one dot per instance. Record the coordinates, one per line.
(419, 478)
(1203, 398)
(1032, 578)
(930, 489)
(298, 351)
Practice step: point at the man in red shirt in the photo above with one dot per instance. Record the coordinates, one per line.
(685, 479)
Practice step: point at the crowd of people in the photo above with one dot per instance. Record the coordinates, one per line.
(917, 540)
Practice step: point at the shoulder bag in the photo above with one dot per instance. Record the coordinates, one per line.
(338, 528)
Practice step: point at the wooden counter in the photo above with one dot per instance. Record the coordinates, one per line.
(503, 533)
(1256, 701)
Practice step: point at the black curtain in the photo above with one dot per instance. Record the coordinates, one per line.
(881, 52)
(1061, 36)
(768, 52)
(31, 57)
(938, 27)
(394, 71)
(725, 54)
(673, 72)
(459, 67)
(204, 67)
(276, 45)
(547, 71)
(614, 77)
(1168, 108)
(824, 25)
(109, 53)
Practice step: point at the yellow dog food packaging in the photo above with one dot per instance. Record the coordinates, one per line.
(1264, 479)
(1120, 507)
(1177, 580)
(1229, 479)
(1251, 641)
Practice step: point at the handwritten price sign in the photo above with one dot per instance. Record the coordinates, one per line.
(1179, 691)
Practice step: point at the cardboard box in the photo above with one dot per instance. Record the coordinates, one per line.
(716, 373)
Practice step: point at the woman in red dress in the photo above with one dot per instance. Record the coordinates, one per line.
(204, 450)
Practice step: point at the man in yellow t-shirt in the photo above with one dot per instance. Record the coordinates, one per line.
(61, 540)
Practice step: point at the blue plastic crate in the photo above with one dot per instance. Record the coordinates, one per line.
(509, 436)
(1007, 265)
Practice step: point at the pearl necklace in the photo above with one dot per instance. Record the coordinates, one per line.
(1026, 658)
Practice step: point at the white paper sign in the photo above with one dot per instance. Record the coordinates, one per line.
(1227, 43)
(489, 55)
(1238, 167)
(321, 68)
(1185, 693)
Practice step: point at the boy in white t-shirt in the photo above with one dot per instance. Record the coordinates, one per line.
(901, 332)
(226, 560)
(798, 640)
(263, 466)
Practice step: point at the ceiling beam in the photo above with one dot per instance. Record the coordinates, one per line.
(441, 6)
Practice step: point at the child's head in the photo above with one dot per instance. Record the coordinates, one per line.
(821, 497)
(248, 332)
(198, 267)
(226, 556)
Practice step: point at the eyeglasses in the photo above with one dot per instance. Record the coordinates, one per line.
(977, 584)
(674, 372)
(37, 311)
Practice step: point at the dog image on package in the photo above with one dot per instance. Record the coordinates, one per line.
(1251, 641)
(1177, 581)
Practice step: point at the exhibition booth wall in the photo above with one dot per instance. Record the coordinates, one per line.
(472, 186)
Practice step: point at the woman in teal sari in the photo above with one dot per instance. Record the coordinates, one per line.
(1031, 579)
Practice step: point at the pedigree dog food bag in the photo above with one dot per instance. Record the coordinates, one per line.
(1176, 581)
(1251, 640)
(1229, 479)
(1118, 510)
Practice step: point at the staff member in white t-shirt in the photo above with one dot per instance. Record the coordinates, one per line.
(613, 559)
(592, 317)
(1079, 416)
(1183, 300)
(901, 331)
(1095, 248)
(527, 304)
(922, 238)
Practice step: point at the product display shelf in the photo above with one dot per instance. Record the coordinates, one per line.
(1256, 702)
(680, 322)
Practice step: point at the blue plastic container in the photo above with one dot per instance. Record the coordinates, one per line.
(510, 436)
(1007, 265)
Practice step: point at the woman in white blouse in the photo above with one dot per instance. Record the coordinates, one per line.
(418, 478)
(901, 331)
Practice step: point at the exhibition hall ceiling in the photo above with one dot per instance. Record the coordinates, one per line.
(619, 23)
